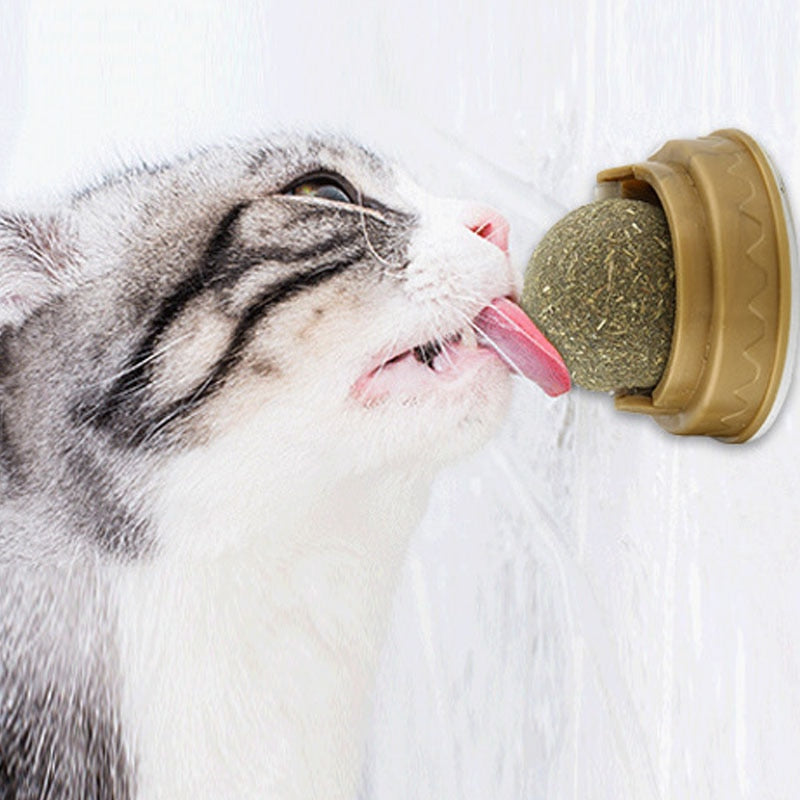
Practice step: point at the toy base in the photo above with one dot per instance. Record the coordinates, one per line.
(733, 243)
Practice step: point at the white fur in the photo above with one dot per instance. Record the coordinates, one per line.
(249, 639)
(267, 648)
(235, 649)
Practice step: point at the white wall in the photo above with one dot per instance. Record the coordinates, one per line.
(593, 609)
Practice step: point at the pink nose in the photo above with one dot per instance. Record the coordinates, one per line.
(490, 225)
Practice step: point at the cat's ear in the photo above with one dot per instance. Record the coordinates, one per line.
(38, 261)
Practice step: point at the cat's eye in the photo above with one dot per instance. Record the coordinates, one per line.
(324, 187)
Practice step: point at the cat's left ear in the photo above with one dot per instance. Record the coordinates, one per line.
(38, 262)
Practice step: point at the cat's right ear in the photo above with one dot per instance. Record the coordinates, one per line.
(38, 261)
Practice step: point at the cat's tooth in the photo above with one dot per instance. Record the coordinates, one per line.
(468, 338)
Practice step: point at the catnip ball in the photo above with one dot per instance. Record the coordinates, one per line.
(601, 287)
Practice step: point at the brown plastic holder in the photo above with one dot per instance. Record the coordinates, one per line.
(730, 227)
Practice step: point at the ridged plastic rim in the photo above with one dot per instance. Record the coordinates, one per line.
(794, 302)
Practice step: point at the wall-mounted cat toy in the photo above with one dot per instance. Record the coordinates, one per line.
(673, 290)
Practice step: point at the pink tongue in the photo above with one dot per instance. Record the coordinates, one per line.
(523, 346)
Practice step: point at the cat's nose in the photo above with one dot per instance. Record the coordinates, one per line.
(490, 225)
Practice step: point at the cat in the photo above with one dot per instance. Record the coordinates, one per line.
(226, 384)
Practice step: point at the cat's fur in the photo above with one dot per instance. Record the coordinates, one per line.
(201, 520)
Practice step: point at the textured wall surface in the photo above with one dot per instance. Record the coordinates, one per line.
(592, 609)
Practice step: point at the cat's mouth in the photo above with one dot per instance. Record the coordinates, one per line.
(501, 331)
(422, 367)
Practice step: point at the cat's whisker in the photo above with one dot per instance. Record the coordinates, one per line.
(528, 385)
(499, 350)
(375, 375)
(185, 408)
(443, 341)
(375, 254)
(445, 354)
(146, 432)
(110, 379)
(514, 325)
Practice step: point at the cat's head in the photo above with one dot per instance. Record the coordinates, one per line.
(301, 297)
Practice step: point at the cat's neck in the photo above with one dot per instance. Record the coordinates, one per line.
(248, 668)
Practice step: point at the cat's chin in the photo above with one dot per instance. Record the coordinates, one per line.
(443, 415)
